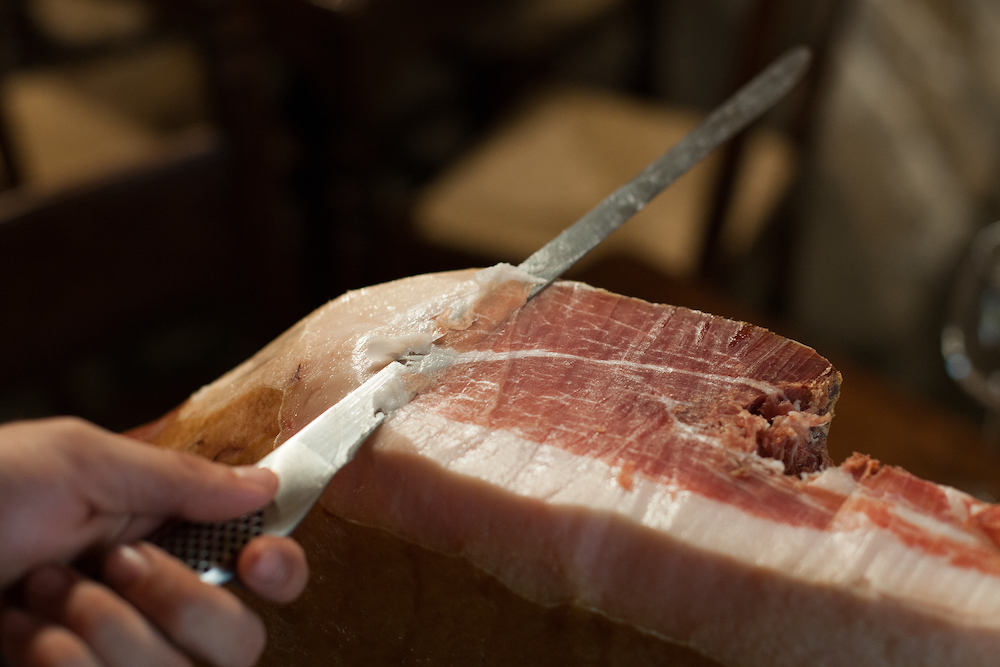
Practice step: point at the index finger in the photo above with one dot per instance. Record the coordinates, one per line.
(118, 475)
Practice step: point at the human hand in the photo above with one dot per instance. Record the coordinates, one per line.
(67, 488)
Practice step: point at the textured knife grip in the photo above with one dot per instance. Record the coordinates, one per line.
(210, 548)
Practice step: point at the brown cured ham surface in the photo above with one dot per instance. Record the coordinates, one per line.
(632, 483)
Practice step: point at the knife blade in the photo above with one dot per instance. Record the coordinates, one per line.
(307, 461)
(746, 105)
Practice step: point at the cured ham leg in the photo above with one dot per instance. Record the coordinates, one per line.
(593, 479)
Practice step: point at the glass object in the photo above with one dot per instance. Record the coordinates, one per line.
(970, 339)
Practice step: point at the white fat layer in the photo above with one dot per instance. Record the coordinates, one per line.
(775, 465)
(400, 390)
(503, 272)
(835, 480)
(391, 396)
(958, 503)
(434, 360)
(853, 553)
(381, 350)
(485, 281)
(933, 526)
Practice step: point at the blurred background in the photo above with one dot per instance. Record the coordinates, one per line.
(181, 181)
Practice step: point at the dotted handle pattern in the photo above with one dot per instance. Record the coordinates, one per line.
(210, 548)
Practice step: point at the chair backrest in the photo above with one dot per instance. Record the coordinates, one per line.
(77, 264)
(112, 273)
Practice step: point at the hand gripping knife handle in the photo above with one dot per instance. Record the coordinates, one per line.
(304, 464)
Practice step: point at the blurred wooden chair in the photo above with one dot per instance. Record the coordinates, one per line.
(563, 150)
(126, 233)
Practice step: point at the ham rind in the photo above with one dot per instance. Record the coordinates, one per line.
(653, 466)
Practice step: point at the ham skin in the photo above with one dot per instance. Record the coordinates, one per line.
(593, 479)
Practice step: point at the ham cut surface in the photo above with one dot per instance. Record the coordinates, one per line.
(594, 479)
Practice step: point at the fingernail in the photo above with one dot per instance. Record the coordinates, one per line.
(47, 583)
(124, 566)
(270, 568)
(261, 477)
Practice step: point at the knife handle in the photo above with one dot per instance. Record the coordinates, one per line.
(210, 549)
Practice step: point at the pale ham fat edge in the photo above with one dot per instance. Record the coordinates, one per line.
(553, 443)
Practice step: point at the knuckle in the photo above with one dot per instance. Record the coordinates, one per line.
(55, 646)
(117, 629)
(78, 439)
(192, 464)
(70, 427)
(186, 467)
(91, 610)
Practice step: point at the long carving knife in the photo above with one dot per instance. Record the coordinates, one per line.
(307, 461)
(735, 114)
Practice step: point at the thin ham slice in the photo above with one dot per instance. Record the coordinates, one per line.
(593, 479)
